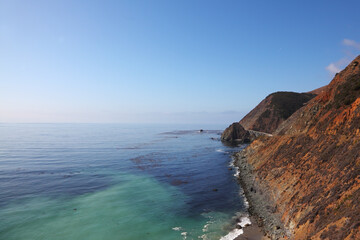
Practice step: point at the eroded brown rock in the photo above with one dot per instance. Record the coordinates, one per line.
(310, 168)
(273, 110)
(235, 133)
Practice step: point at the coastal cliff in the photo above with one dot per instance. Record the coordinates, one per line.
(274, 110)
(266, 117)
(304, 181)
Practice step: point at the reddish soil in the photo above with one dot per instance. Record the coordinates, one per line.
(311, 166)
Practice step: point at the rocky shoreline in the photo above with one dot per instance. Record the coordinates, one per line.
(304, 181)
(260, 205)
(252, 232)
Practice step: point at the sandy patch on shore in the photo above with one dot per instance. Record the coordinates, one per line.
(252, 232)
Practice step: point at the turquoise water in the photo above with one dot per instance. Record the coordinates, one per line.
(113, 181)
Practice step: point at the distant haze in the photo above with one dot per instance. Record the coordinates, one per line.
(165, 61)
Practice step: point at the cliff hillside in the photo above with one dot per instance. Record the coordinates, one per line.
(273, 110)
(310, 168)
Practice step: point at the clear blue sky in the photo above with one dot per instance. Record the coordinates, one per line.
(165, 61)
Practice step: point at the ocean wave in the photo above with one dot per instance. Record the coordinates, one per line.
(183, 234)
(232, 164)
(176, 228)
(233, 234)
(244, 221)
(221, 150)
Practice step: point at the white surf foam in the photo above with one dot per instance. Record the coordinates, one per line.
(244, 221)
(237, 172)
(205, 228)
(233, 234)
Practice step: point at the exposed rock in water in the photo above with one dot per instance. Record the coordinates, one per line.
(235, 133)
(273, 110)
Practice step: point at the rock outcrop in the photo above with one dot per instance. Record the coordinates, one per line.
(273, 110)
(235, 133)
(310, 169)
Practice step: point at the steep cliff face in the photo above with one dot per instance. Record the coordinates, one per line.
(273, 110)
(310, 168)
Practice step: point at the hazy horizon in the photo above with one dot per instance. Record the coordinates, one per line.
(186, 118)
(165, 62)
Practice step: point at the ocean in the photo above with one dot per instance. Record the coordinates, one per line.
(117, 181)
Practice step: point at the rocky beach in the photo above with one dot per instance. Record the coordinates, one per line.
(261, 208)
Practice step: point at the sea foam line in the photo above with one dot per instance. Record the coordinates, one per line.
(244, 221)
(237, 174)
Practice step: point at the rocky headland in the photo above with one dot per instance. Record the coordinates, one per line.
(273, 110)
(236, 133)
(303, 182)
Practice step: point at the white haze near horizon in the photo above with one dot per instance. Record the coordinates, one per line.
(110, 117)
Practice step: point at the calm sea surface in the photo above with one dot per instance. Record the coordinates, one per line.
(115, 181)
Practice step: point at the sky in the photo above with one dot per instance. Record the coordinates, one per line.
(161, 61)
